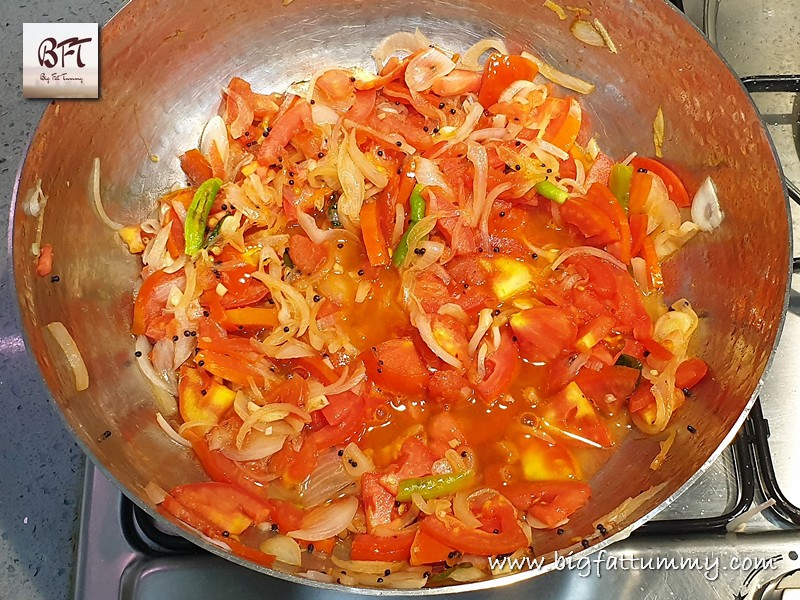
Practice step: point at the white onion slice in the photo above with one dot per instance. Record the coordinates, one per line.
(322, 114)
(522, 86)
(215, 132)
(639, 268)
(402, 41)
(484, 323)
(469, 60)
(428, 174)
(355, 462)
(587, 250)
(706, 211)
(71, 353)
(284, 549)
(143, 348)
(155, 492)
(477, 155)
(327, 521)
(585, 32)
(424, 69)
(170, 431)
(423, 323)
(97, 200)
(258, 446)
(464, 131)
(559, 77)
(463, 512)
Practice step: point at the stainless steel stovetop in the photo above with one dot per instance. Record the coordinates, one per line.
(685, 554)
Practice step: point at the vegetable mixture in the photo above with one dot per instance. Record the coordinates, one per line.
(407, 316)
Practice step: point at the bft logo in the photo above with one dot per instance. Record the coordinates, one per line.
(60, 60)
(48, 57)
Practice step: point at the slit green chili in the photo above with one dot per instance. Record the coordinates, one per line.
(434, 486)
(620, 183)
(551, 191)
(194, 229)
(417, 210)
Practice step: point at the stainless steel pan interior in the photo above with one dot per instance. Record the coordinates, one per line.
(163, 63)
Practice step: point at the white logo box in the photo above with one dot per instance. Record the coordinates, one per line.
(60, 60)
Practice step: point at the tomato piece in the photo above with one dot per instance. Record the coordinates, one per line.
(172, 507)
(502, 367)
(336, 88)
(448, 385)
(593, 332)
(349, 428)
(675, 188)
(200, 399)
(543, 332)
(222, 469)
(176, 242)
(457, 82)
(442, 429)
(363, 105)
(542, 461)
(638, 226)
(152, 298)
(293, 466)
(340, 405)
(449, 530)
(610, 386)
(262, 104)
(641, 399)
(427, 550)
(283, 130)
(374, 240)
(292, 391)
(377, 501)
(306, 255)
(196, 166)
(414, 460)
(286, 515)
(395, 366)
(570, 415)
(44, 264)
(251, 317)
(690, 372)
(602, 197)
(393, 548)
(225, 506)
(593, 223)
(563, 130)
(501, 71)
(450, 334)
(548, 503)
(230, 368)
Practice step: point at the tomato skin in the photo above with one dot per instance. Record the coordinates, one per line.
(378, 503)
(448, 530)
(501, 71)
(283, 130)
(375, 547)
(690, 372)
(616, 381)
(505, 365)
(549, 502)
(543, 332)
(395, 366)
(196, 166)
(306, 255)
(222, 504)
(152, 298)
(675, 188)
(426, 550)
(350, 427)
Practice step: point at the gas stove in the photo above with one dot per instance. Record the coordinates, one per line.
(712, 542)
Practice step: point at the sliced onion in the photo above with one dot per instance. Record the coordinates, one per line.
(258, 446)
(605, 35)
(269, 414)
(463, 132)
(143, 348)
(477, 155)
(371, 567)
(163, 355)
(377, 176)
(168, 429)
(487, 209)
(73, 356)
(97, 200)
(433, 252)
(391, 138)
(317, 576)
(327, 481)
(485, 320)
(155, 492)
(560, 78)
(639, 268)
(352, 181)
(658, 132)
(489, 133)
(424, 69)
(215, 134)
(284, 549)
(346, 382)
(665, 445)
(322, 114)
(292, 348)
(327, 521)
(587, 250)
(315, 234)
(585, 32)
(463, 512)
(469, 60)
(423, 323)
(522, 86)
(355, 462)
(416, 233)
(402, 41)
(555, 150)
(428, 174)
(662, 213)
(706, 210)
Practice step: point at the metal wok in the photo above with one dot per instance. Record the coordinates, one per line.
(163, 63)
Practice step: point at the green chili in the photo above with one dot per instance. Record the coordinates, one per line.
(447, 573)
(418, 207)
(434, 486)
(620, 183)
(214, 233)
(626, 360)
(333, 213)
(194, 229)
(287, 259)
(551, 191)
